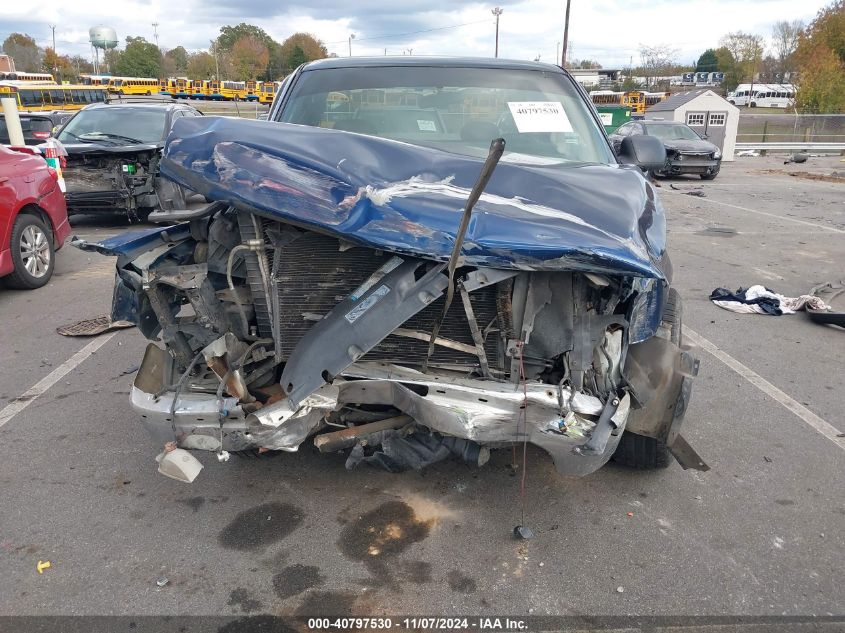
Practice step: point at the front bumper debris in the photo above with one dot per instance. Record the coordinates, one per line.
(487, 413)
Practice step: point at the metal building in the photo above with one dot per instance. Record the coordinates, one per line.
(705, 112)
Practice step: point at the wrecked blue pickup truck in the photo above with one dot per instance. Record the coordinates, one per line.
(413, 258)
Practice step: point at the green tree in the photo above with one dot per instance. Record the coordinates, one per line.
(707, 63)
(231, 34)
(297, 57)
(727, 64)
(59, 65)
(177, 58)
(820, 57)
(26, 53)
(249, 57)
(201, 66)
(140, 59)
(311, 47)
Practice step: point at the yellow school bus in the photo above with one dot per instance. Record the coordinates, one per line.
(198, 89)
(133, 85)
(30, 78)
(167, 87)
(268, 91)
(253, 89)
(233, 90)
(35, 97)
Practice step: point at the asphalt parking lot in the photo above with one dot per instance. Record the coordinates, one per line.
(761, 533)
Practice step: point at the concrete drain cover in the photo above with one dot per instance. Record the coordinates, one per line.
(92, 327)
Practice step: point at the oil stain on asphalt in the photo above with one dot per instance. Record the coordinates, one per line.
(258, 527)
(295, 579)
(460, 583)
(379, 536)
(240, 598)
(327, 603)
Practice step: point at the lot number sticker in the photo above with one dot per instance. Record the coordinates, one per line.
(539, 116)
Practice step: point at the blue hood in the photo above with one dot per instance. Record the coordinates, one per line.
(408, 199)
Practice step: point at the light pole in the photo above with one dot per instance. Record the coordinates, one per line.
(565, 37)
(497, 12)
(155, 32)
(351, 37)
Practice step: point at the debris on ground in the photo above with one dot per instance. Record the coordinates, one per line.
(832, 294)
(797, 157)
(163, 581)
(748, 152)
(93, 327)
(523, 532)
(42, 565)
(761, 300)
(697, 192)
(620, 589)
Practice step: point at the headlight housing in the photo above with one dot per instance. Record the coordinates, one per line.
(717, 154)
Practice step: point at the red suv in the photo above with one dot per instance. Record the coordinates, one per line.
(33, 219)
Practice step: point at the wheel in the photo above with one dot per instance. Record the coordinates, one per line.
(639, 451)
(32, 253)
(753, 104)
(148, 93)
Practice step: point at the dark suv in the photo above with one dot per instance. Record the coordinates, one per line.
(113, 153)
(437, 256)
(37, 126)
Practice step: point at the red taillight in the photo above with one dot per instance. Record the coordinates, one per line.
(41, 134)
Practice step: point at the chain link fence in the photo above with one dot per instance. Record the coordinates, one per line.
(791, 128)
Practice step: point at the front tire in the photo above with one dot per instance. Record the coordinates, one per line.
(639, 451)
(32, 253)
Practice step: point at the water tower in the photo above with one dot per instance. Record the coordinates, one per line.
(103, 37)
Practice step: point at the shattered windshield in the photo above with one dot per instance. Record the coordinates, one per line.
(539, 114)
(115, 126)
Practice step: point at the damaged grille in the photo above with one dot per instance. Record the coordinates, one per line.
(312, 275)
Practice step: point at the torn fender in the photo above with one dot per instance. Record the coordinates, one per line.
(408, 199)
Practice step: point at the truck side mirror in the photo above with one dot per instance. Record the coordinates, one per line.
(646, 152)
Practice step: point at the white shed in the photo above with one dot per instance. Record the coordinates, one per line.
(705, 112)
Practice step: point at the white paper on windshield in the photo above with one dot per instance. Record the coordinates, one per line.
(539, 116)
(426, 126)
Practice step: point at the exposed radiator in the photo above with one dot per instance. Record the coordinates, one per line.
(311, 275)
(253, 275)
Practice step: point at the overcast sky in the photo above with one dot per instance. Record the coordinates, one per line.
(609, 31)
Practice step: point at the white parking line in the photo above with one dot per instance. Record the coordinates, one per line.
(38, 389)
(815, 422)
(771, 215)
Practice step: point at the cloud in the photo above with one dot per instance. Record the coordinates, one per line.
(609, 31)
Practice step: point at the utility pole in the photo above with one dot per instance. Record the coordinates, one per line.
(155, 32)
(497, 12)
(53, 28)
(565, 37)
(351, 37)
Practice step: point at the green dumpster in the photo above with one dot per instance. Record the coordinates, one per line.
(613, 116)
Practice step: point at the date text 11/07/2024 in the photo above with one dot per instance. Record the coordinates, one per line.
(417, 624)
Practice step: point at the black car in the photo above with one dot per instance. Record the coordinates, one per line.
(686, 151)
(37, 126)
(113, 152)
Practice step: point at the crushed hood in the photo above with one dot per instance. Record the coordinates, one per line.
(408, 199)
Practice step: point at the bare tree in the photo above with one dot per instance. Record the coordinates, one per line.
(656, 60)
(747, 50)
(784, 42)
